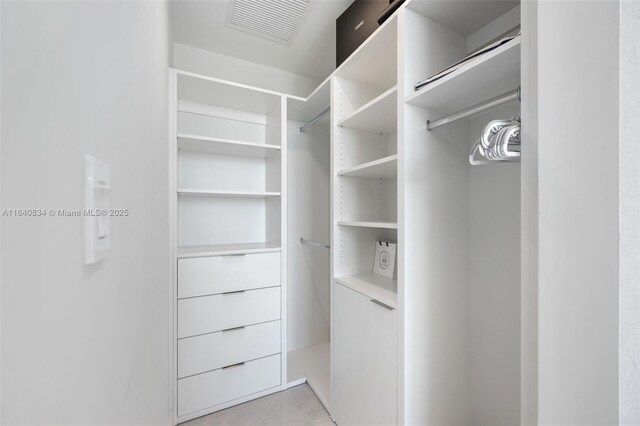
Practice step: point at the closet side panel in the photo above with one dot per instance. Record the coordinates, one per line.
(578, 190)
(494, 285)
(629, 211)
(434, 228)
(308, 213)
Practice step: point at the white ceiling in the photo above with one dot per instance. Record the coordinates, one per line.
(202, 24)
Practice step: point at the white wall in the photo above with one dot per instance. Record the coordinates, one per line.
(308, 217)
(214, 64)
(578, 117)
(629, 211)
(84, 344)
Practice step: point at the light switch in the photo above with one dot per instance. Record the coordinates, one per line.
(97, 201)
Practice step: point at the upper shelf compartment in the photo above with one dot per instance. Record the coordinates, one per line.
(483, 78)
(463, 17)
(225, 94)
(377, 116)
(374, 63)
(305, 110)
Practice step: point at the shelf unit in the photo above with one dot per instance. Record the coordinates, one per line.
(383, 168)
(219, 146)
(365, 159)
(228, 184)
(390, 180)
(376, 116)
(369, 224)
(482, 78)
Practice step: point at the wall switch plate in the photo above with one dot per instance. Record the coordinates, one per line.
(97, 201)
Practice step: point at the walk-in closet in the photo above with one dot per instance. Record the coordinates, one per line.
(284, 203)
(320, 212)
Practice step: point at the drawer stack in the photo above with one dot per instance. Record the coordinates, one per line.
(229, 331)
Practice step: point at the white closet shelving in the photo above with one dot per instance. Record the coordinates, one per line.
(308, 357)
(383, 168)
(482, 78)
(377, 115)
(365, 160)
(368, 171)
(218, 146)
(229, 212)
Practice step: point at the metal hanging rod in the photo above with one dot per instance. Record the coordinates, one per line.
(314, 243)
(316, 118)
(498, 100)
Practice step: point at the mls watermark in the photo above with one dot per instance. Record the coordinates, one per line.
(64, 212)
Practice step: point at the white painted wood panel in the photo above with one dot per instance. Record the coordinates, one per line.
(208, 314)
(209, 352)
(227, 147)
(376, 116)
(221, 220)
(217, 387)
(365, 360)
(220, 274)
(383, 168)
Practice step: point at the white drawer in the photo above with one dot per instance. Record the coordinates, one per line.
(213, 275)
(209, 314)
(207, 390)
(216, 350)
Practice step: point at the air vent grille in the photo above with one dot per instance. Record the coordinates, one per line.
(276, 20)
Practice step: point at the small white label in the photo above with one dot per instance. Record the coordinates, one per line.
(359, 25)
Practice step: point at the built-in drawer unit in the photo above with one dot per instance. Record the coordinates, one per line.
(217, 387)
(208, 314)
(216, 350)
(213, 275)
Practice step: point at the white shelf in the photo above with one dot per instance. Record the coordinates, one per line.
(219, 146)
(383, 168)
(227, 249)
(376, 287)
(369, 224)
(215, 193)
(226, 94)
(312, 364)
(377, 116)
(483, 78)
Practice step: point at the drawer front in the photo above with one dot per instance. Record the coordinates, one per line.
(212, 351)
(217, 387)
(213, 275)
(209, 314)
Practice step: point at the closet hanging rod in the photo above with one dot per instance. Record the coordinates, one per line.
(316, 118)
(314, 243)
(498, 100)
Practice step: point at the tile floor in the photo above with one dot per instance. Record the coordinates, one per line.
(297, 406)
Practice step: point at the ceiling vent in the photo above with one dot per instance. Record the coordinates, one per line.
(275, 20)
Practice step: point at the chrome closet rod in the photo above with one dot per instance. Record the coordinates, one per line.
(316, 118)
(314, 243)
(494, 102)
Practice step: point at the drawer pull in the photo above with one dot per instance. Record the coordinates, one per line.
(240, 364)
(384, 305)
(234, 328)
(233, 292)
